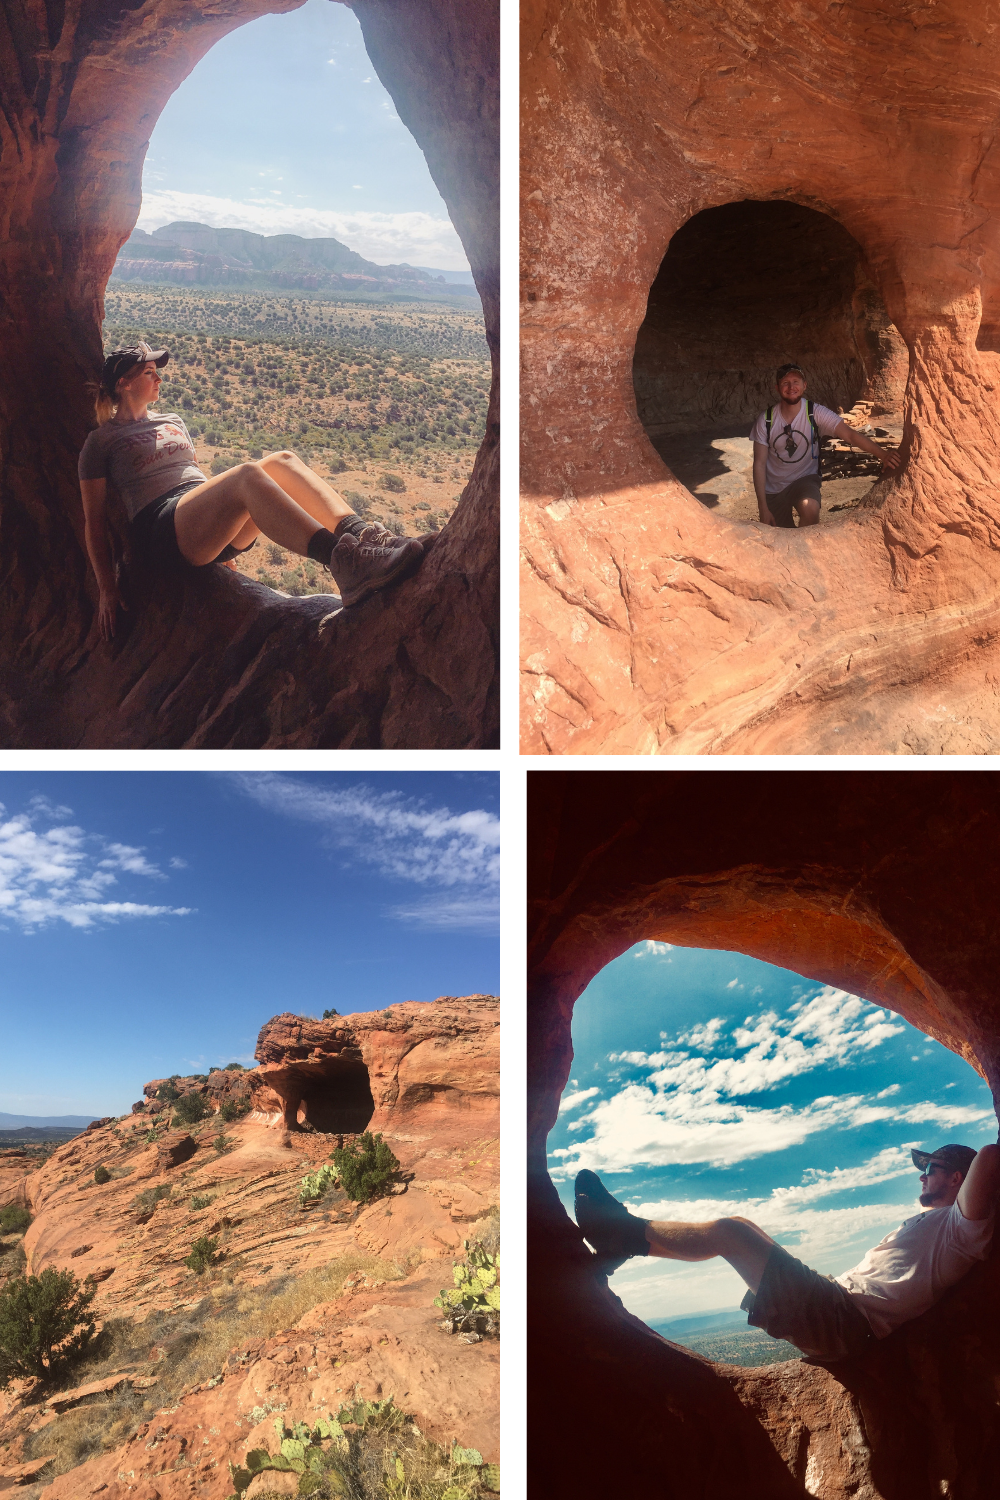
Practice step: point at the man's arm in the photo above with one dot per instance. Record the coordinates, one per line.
(890, 458)
(977, 1196)
(760, 482)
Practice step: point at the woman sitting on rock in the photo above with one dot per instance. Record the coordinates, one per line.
(178, 518)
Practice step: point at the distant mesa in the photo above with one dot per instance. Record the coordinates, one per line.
(199, 255)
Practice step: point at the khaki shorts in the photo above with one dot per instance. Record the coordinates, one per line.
(813, 1312)
(780, 505)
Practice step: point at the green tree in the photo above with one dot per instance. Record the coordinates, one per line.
(45, 1324)
(101, 1174)
(190, 1109)
(202, 1254)
(14, 1219)
(328, 1015)
(366, 1167)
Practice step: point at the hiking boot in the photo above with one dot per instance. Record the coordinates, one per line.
(615, 1233)
(361, 567)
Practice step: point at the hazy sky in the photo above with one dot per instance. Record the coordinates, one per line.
(150, 923)
(707, 1084)
(284, 127)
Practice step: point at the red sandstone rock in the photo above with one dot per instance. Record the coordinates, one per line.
(174, 1148)
(652, 625)
(881, 883)
(212, 659)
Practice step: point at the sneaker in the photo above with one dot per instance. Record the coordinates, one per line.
(361, 567)
(615, 1233)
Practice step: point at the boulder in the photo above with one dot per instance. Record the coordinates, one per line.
(651, 624)
(211, 659)
(175, 1147)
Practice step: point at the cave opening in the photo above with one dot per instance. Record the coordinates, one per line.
(743, 288)
(708, 1084)
(340, 1102)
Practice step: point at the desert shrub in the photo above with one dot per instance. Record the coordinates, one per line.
(336, 465)
(168, 1091)
(235, 1108)
(328, 1015)
(202, 1200)
(203, 1254)
(14, 1219)
(150, 1197)
(369, 1450)
(101, 1174)
(220, 465)
(223, 1143)
(366, 1167)
(234, 1068)
(275, 554)
(191, 1109)
(472, 1305)
(45, 1325)
(394, 482)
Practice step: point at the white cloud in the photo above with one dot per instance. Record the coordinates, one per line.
(417, 238)
(732, 984)
(63, 874)
(455, 854)
(649, 949)
(571, 1101)
(697, 1109)
(178, 864)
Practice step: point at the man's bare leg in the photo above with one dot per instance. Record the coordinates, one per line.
(741, 1242)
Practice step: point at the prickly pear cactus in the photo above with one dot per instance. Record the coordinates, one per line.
(472, 1305)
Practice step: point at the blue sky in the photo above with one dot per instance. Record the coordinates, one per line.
(706, 1084)
(284, 128)
(150, 923)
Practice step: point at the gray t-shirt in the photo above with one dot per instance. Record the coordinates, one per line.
(792, 451)
(143, 459)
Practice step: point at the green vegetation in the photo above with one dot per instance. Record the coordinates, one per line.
(203, 1254)
(472, 1305)
(328, 1015)
(14, 1219)
(45, 1325)
(223, 1143)
(168, 1091)
(315, 1184)
(742, 1346)
(234, 1109)
(185, 1348)
(147, 1200)
(366, 1167)
(101, 1174)
(369, 1451)
(202, 1201)
(190, 1109)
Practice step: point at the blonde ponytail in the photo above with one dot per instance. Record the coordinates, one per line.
(104, 407)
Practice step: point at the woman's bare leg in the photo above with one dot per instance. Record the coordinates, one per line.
(319, 499)
(742, 1243)
(216, 512)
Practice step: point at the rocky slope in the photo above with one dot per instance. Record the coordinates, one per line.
(434, 1095)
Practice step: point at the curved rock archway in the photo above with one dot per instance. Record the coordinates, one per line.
(650, 625)
(215, 661)
(876, 882)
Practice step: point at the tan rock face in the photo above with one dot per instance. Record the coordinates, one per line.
(214, 660)
(650, 624)
(881, 884)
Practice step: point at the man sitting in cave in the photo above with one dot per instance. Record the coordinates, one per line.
(786, 459)
(828, 1318)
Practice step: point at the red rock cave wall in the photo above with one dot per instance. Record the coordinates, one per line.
(877, 882)
(649, 624)
(213, 661)
(744, 288)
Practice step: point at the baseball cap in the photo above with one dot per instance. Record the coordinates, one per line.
(120, 361)
(954, 1158)
(784, 370)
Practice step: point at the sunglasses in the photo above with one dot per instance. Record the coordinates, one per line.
(932, 1166)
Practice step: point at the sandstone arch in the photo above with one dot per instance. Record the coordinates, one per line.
(876, 882)
(215, 662)
(651, 626)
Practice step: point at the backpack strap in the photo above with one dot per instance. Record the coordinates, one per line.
(767, 425)
(812, 424)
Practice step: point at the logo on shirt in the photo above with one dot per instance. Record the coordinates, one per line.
(789, 445)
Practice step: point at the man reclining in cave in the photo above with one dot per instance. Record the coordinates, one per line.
(180, 519)
(786, 459)
(827, 1317)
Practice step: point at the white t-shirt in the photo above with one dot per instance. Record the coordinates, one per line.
(784, 466)
(912, 1267)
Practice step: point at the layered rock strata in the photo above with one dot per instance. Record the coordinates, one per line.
(651, 625)
(210, 659)
(879, 883)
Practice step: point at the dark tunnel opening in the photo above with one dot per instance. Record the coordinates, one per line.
(340, 1103)
(742, 289)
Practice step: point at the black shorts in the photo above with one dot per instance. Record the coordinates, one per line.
(809, 487)
(813, 1312)
(155, 537)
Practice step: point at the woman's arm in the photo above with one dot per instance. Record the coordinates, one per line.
(94, 495)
